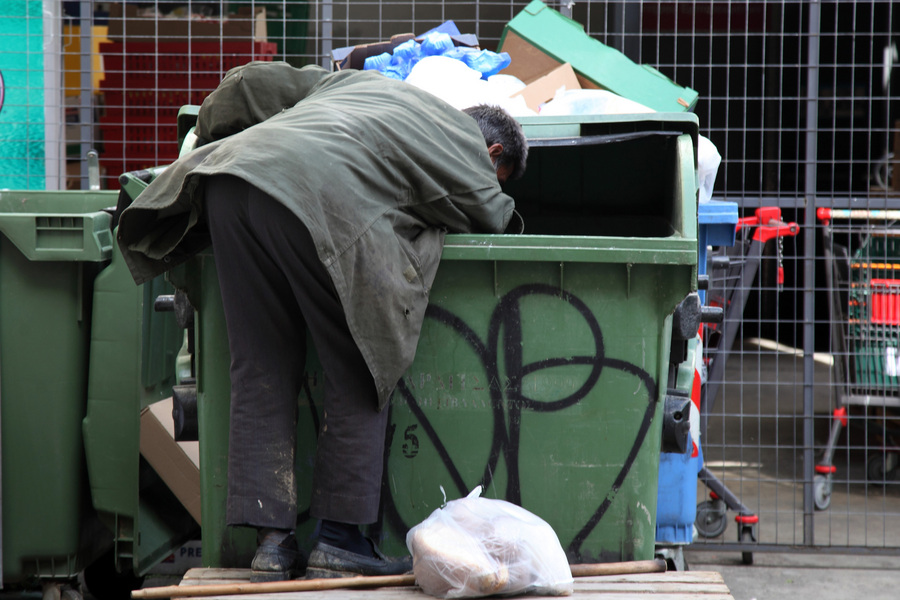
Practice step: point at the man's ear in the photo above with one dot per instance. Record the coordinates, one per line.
(495, 151)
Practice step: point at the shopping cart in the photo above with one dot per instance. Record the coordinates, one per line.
(733, 271)
(863, 279)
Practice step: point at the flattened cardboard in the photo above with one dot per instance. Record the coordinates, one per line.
(125, 24)
(539, 38)
(544, 88)
(176, 463)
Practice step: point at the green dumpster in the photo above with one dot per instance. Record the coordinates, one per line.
(80, 353)
(50, 250)
(542, 366)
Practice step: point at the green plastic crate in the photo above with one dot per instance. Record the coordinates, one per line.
(874, 318)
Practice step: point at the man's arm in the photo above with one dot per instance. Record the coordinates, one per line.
(480, 211)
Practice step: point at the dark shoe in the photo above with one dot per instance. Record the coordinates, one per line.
(277, 558)
(328, 562)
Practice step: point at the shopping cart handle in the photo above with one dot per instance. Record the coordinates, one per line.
(826, 215)
(774, 230)
(769, 225)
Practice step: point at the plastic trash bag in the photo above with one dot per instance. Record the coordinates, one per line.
(458, 85)
(400, 63)
(474, 547)
(591, 102)
(708, 161)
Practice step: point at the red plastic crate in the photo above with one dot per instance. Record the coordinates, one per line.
(168, 64)
(140, 136)
(148, 103)
(885, 301)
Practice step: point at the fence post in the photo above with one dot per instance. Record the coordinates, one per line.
(809, 255)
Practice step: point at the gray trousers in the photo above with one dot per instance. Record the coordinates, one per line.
(274, 288)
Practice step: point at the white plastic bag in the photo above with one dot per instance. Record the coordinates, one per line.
(708, 161)
(475, 547)
(460, 86)
(591, 102)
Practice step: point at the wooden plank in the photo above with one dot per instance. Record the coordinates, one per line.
(635, 596)
(416, 594)
(202, 576)
(674, 585)
(653, 588)
(670, 576)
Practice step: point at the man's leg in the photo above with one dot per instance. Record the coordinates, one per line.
(267, 340)
(266, 337)
(347, 478)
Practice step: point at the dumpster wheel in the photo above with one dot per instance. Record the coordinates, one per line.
(710, 520)
(55, 590)
(104, 582)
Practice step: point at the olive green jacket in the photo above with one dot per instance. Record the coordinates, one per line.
(376, 169)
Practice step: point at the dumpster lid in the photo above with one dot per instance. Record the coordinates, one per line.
(546, 131)
(590, 140)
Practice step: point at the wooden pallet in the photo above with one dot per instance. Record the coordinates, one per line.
(674, 585)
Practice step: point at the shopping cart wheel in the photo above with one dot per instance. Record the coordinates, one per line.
(711, 518)
(747, 537)
(822, 491)
(881, 467)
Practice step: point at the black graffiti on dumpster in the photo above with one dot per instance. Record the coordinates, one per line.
(508, 401)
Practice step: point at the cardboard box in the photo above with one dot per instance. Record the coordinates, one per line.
(177, 463)
(540, 38)
(544, 88)
(126, 23)
(189, 556)
(354, 57)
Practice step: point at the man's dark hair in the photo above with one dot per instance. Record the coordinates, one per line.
(499, 127)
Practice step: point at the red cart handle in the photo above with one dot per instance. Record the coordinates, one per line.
(769, 224)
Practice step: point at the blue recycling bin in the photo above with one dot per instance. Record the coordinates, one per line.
(676, 507)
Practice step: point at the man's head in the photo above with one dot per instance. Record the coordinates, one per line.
(505, 140)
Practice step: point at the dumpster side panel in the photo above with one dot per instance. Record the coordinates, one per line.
(547, 393)
(43, 337)
(133, 357)
(222, 546)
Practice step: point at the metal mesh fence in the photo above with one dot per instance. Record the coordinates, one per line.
(799, 97)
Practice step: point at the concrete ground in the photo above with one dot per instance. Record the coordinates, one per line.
(793, 576)
(755, 444)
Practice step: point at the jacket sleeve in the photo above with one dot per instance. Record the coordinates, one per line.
(251, 93)
(481, 211)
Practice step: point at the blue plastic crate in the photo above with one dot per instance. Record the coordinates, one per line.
(717, 221)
